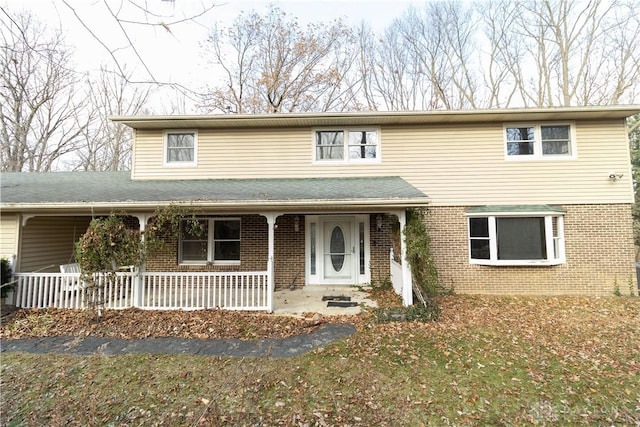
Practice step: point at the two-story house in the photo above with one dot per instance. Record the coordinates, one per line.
(519, 201)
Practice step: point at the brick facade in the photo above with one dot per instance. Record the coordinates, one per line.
(381, 243)
(253, 250)
(598, 245)
(289, 251)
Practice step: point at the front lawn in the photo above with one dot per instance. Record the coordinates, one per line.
(488, 361)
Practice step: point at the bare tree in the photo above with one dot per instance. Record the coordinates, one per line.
(271, 64)
(500, 53)
(128, 16)
(563, 52)
(504, 55)
(425, 59)
(40, 108)
(390, 71)
(107, 145)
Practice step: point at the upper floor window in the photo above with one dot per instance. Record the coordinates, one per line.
(516, 238)
(539, 141)
(180, 148)
(347, 145)
(216, 240)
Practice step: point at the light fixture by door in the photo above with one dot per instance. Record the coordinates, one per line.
(379, 222)
(296, 223)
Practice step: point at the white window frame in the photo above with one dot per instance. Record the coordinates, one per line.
(211, 244)
(345, 146)
(165, 154)
(554, 244)
(537, 142)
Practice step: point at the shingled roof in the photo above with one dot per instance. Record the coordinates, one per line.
(115, 190)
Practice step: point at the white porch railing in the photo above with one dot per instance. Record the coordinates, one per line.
(233, 291)
(395, 273)
(150, 290)
(63, 290)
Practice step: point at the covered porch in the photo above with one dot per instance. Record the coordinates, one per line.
(293, 233)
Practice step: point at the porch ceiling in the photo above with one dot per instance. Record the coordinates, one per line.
(106, 191)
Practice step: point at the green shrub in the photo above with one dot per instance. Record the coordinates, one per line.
(383, 285)
(5, 277)
(416, 312)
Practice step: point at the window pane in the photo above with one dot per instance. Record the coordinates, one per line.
(361, 238)
(330, 153)
(180, 155)
(520, 141)
(555, 147)
(555, 140)
(337, 248)
(194, 251)
(521, 238)
(227, 251)
(180, 147)
(480, 249)
(226, 240)
(191, 231)
(226, 229)
(479, 227)
(522, 148)
(312, 237)
(556, 238)
(520, 134)
(555, 132)
(193, 240)
(362, 144)
(329, 145)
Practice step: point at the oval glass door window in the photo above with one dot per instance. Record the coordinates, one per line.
(337, 248)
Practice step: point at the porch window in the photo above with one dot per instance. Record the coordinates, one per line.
(347, 145)
(180, 148)
(226, 240)
(219, 243)
(539, 141)
(194, 246)
(516, 238)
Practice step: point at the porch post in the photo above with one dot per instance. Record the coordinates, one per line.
(138, 281)
(271, 222)
(407, 288)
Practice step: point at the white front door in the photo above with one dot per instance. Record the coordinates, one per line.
(337, 249)
(338, 263)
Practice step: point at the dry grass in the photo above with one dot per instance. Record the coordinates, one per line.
(488, 361)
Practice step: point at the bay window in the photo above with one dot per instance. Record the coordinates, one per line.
(519, 237)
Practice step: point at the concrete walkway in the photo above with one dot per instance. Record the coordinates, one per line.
(269, 347)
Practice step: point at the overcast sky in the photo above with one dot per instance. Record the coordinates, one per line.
(177, 56)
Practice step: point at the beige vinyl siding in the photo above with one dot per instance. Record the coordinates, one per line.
(47, 242)
(9, 235)
(461, 164)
